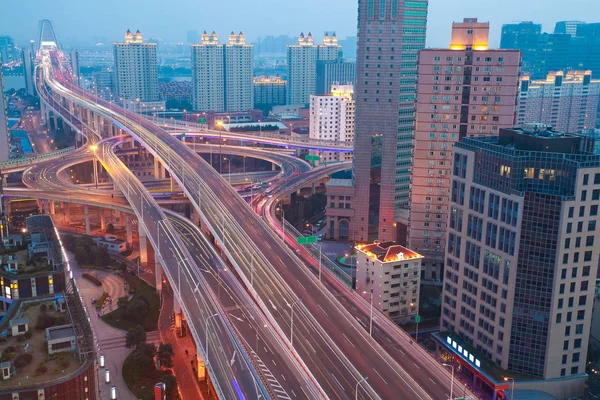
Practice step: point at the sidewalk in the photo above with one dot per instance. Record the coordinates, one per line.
(104, 335)
(184, 365)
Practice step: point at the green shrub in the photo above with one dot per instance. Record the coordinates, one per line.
(101, 301)
(23, 360)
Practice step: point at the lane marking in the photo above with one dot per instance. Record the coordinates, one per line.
(381, 377)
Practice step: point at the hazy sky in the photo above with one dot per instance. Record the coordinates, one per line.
(78, 21)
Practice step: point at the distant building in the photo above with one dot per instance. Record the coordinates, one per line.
(567, 27)
(28, 71)
(466, 90)
(392, 275)
(136, 69)
(105, 82)
(331, 72)
(112, 244)
(302, 65)
(7, 49)
(222, 75)
(4, 135)
(332, 118)
(566, 101)
(180, 91)
(75, 65)
(574, 45)
(269, 91)
(192, 37)
(522, 256)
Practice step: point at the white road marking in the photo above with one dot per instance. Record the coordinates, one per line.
(416, 366)
(378, 374)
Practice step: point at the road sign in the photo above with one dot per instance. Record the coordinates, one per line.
(201, 120)
(418, 319)
(306, 239)
(312, 158)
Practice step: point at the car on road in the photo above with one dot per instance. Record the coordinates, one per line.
(320, 237)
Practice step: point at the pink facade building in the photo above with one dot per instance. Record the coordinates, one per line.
(466, 90)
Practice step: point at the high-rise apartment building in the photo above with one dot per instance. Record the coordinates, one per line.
(222, 75)
(136, 69)
(75, 65)
(522, 252)
(239, 74)
(4, 135)
(331, 72)
(332, 118)
(466, 90)
(269, 91)
(390, 35)
(28, 70)
(568, 102)
(302, 65)
(208, 80)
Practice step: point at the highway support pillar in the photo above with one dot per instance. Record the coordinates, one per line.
(51, 207)
(314, 188)
(201, 368)
(157, 273)
(102, 219)
(129, 233)
(67, 213)
(46, 208)
(143, 246)
(86, 213)
(159, 171)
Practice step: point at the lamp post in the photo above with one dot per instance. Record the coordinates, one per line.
(280, 208)
(371, 318)
(292, 322)
(512, 390)
(358, 384)
(229, 170)
(452, 381)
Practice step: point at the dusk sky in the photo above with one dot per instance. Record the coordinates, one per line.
(82, 21)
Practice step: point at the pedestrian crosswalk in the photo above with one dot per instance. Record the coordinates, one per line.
(274, 384)
(119, 341)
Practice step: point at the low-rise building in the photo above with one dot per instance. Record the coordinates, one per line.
(112, 244)
(339, 209)
(61, 338)
(392, 275)
(19, 326)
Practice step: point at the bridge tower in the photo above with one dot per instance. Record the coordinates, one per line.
(47, 39)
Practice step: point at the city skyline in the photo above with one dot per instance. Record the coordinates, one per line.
(111, 18)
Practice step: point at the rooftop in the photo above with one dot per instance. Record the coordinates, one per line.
(60, 332)
(388, 252)
(340, 182)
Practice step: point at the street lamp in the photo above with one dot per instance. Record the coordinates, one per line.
(371, 319)
(512, 390)
(219, 282)
(280, 208)
(358, 384)
(292, 322)
(452, 381)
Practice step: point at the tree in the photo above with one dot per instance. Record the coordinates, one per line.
(110, 228)
(81, 255)
(123, 267)
(135, 337)
(100, 256)
(165, 355)
(70, 242)
(140, 363)
(171, 386)
(137, 309)
(122, 302)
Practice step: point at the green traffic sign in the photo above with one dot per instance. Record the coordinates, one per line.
(201, 120)
(312, 158)
(306, 240)
(418, 319)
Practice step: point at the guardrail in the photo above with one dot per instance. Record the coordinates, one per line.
(25, 162)
(332, 266)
